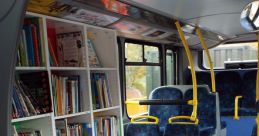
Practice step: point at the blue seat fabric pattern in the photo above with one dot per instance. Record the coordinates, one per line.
(206, 110)
(181, 130)
(142, 130)
(254, 132)
(164, 112)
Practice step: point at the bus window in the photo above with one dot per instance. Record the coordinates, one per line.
(170, 69)
(142, 74)
(227, 53)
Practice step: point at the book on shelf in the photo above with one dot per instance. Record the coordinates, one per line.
(67, 97)
(31, 96)
(101, 95)
(92, 56)
(66, 49)
(31, 46)
(75, 129)
(107, 126)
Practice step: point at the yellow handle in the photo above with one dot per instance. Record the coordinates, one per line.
(194, 82)
(133, 120)
(170, 120)
(204, 46)
(236, 117)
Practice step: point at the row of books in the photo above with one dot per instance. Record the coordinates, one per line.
(31, 49)
(78, 129)
(66, 94)
(107, 126)
(27, 132)
(32, 99)
(101, 95)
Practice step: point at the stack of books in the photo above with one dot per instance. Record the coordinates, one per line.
(31, 49)
(27, 132)
(101, 95)
(107, 126)
(66, 94)
(31, 95)
(76, 129)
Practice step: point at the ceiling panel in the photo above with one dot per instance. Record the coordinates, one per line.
(218, 15)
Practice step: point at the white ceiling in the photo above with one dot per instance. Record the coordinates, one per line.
(220, 16)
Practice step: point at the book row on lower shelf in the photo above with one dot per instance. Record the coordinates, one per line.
(31, 95)
(67, 96)
(27, 132)
(75, 129)
(107, 126)
(101, 95)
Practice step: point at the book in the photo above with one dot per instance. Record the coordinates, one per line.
(93, 58)
(70, 49)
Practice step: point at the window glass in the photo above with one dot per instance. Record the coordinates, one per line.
(140, 81)
(231, 53)
(169, 67)
(151, 54)
(133, 52)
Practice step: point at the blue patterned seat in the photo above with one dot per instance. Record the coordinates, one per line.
(181, 130)
(254, 132)
(164, 112)
(142, 130)
(228, 86)
(247, 105)
(206, 110)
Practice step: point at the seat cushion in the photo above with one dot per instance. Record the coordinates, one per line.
(181, 130)
(142, 130)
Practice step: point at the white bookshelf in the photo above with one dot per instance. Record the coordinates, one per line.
(107, 52)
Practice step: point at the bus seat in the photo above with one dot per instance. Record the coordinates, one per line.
(181, 130)
(254, 132)
(164, 112)
(248, 92)
(206, 110)
(142, 130)
(227, 87)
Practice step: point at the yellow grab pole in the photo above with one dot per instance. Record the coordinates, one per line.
(257, 84)
(194, 82)
(204, 46)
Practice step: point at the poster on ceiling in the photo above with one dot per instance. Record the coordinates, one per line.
(157, 33)
(129, 27)
(90, 17)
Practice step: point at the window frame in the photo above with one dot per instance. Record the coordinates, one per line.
(162, 48)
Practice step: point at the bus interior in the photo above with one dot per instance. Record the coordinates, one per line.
(138, 68)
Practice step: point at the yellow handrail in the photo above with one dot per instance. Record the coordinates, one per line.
(170, 120)
(204, 46)
(133, 120)
(257, 83)
(194, 82)
(236, 117)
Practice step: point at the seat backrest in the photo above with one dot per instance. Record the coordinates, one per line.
(206, 112)
(142, 130)
(248, 92)
(181, 130)
(228, 86)
(164, 112)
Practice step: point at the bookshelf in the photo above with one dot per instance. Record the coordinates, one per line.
(76, 98)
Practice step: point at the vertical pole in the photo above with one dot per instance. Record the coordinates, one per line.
(194, 82)
(204, 46)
